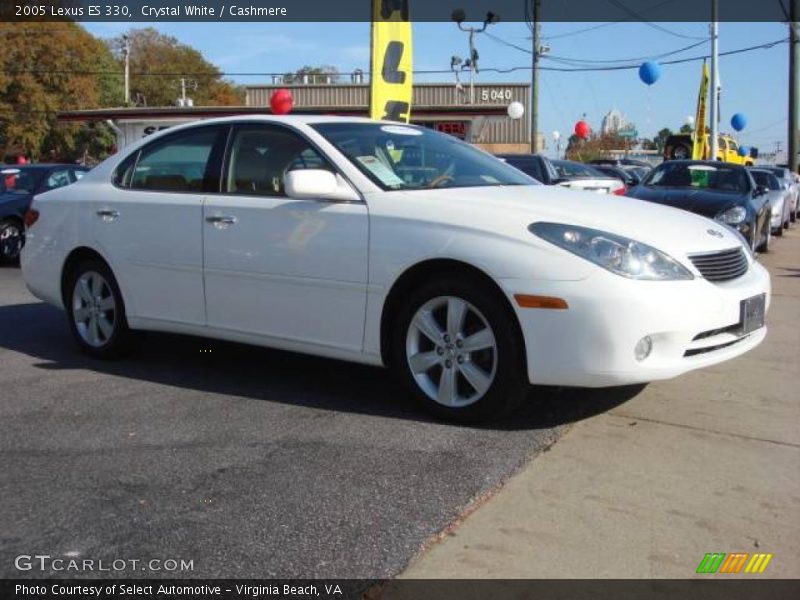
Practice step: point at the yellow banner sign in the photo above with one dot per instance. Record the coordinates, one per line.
(700, 138)
(391, 80)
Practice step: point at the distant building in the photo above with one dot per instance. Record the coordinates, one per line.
(613, 122)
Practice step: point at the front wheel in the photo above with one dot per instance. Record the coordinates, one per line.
(96, 311)
(767, 243)
(11, 240)
(457, 348)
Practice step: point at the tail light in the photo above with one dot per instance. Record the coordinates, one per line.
(31, 217)
(620, 191)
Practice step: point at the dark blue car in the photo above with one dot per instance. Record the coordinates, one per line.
(18, 185)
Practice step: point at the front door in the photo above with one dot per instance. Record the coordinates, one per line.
(290, 270)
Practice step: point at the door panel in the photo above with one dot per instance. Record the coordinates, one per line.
(280, 267)
(149, 224)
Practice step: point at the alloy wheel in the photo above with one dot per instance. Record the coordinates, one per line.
(451, 351)
(94, 309)
(10, 241)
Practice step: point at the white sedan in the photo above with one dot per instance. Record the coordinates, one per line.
(390, 245)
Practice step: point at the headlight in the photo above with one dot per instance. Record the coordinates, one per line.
(619, 255)
(733, 216)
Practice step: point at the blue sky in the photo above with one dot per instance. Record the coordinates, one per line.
(754, 83)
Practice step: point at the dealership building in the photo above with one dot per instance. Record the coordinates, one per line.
(440, 106)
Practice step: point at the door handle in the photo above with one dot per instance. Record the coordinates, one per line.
(107, 214)
(221, 220)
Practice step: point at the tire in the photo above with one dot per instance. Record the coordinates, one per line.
(764, 247)
(96, 311)
(435, 362)
(12, 238)
(681, 152)
(779, 230)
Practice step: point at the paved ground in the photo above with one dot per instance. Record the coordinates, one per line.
(709, 462)
(247, 461)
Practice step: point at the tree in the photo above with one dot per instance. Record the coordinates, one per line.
(157, 64)
(596, 146)
(686, 129)
(661, 139)
(46, 68)
(320, 74)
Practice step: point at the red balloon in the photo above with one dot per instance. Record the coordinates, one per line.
(281, 101)
(21, 160)
(582, 129)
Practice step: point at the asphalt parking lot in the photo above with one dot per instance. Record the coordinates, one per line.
(249, 462)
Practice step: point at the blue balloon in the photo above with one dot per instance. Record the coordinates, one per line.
(650, 72)
(744, 151)
(739, 121)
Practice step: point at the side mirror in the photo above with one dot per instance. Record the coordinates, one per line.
(318, 184)
(761, 190)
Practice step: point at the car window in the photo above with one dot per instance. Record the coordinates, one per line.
(261, 156)
(573, 170)
(21, 180)
(179, 163)
(767, 180)
(77, 174)
(700, 176)
(528, 166)
(722, 144)
(403, 157)
(57, 179)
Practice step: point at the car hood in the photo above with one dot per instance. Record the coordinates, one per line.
(703, 202)
(508, 211)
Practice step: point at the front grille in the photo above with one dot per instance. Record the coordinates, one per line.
(721, 266)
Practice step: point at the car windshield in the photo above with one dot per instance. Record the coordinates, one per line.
(20, 180)
(572, 170)
(402, 157)
(765, 179)
(718, 178)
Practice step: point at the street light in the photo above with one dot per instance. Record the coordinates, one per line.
(459, 16)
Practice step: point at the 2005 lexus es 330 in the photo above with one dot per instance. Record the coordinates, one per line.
(390, 245)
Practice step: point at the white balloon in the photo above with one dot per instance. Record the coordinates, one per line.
(690, 120)
(556, 135)
(516, 110)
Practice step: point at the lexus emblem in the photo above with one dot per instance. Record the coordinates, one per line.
(715, 233)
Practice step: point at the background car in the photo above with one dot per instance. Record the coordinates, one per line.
(579, 176)
(721, 191)
(789, 183)
(18, 185)
(679, 147)
(779, 199)
(629, 178)
(534, 165)
(621, 162)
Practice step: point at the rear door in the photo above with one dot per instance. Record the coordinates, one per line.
(149, 223)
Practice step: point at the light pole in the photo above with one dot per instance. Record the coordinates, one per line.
(471, 63)
(126, 51)
(714, 113)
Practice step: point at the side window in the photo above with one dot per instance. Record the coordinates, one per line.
(722, 144)
(77, 174)
(180, 163)
(57, 179)
(260, 156)
(124, 171)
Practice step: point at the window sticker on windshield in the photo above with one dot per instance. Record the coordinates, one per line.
(400, 130)
(380, 170)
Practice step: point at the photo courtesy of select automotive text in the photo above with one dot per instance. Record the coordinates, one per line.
(399, 299)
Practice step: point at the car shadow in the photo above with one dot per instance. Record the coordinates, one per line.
(210, 366)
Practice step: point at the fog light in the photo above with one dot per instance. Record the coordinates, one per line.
(643, 348)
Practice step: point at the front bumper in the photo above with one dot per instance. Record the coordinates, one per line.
(591, 343)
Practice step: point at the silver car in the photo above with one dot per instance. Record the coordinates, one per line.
(789, 183)
(780, 199)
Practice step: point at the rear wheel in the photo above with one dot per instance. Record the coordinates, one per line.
(457, 348)
(11, 240)
(96, 311)
(681, 152)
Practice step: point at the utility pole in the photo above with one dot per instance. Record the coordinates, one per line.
(458, 17)
(794, 83)
(126, 51)
(714, 112)
(537, 32)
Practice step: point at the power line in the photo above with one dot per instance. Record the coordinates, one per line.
(601, 25)
(641, 19)
(764, 46)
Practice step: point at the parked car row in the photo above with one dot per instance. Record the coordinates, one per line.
(394, 245)
(565, 173)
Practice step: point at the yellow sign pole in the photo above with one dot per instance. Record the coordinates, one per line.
(699, 138)
(391, 80)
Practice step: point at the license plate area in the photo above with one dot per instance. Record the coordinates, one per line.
(752, 313)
